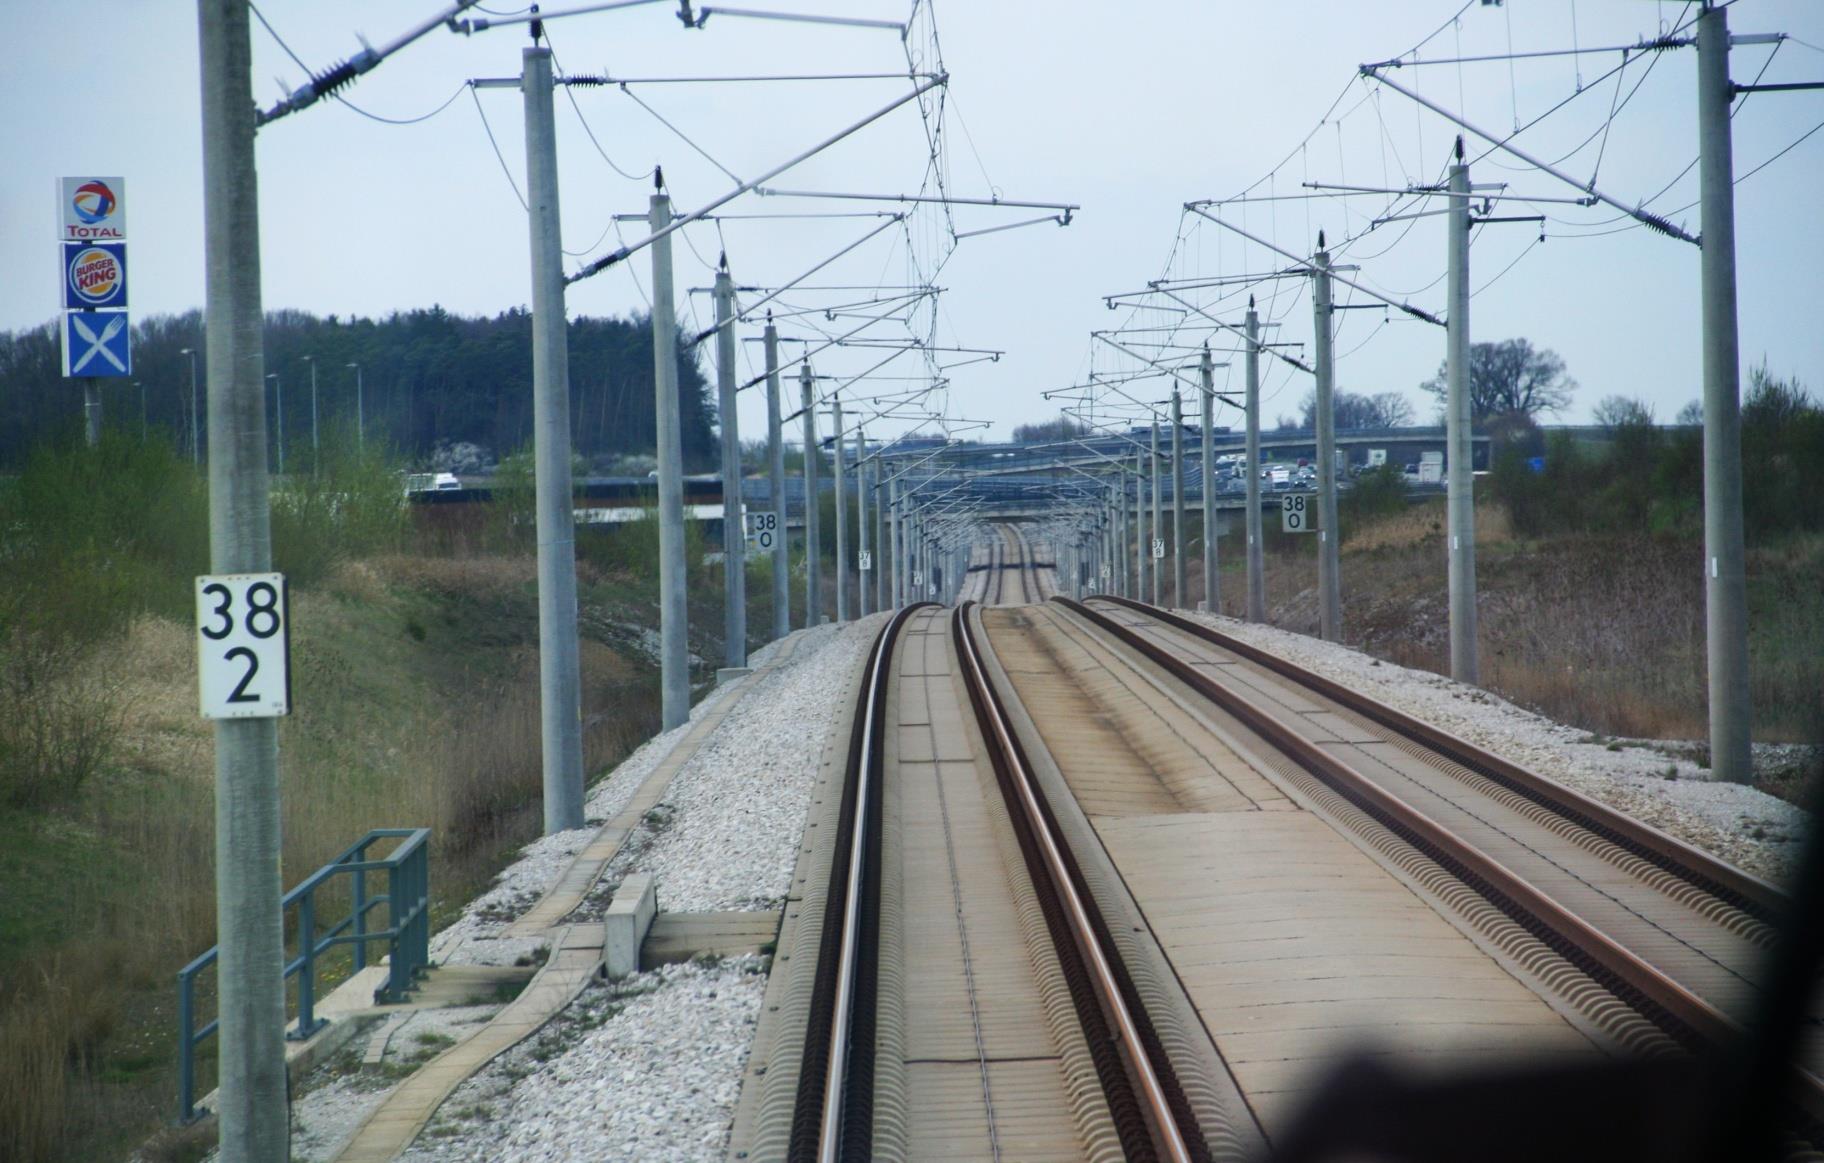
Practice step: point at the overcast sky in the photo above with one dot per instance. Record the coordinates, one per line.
(1129, 110)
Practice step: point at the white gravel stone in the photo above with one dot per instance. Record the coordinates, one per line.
(728, 834)
(648, 1067)
(474, 938)
(338, 1096)
(1759, 833)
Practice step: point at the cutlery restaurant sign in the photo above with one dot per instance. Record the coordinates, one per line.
(91, 233)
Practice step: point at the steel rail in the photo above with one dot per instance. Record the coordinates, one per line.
(864, 768)
(1683, 1014)
(1010, 561)
(1029, 578)
(993, 719)
(1758, 898)
(1027, 575)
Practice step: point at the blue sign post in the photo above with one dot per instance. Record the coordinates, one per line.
(95, 344)
(97, 336)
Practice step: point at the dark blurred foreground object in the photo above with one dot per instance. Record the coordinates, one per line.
(1664, 1111)
(1728, 1104)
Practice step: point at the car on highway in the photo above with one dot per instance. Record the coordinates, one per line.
(431, 482)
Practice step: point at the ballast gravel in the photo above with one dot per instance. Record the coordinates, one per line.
(648, 1067)
(1756, 832)
(474, 938)
(725, 835)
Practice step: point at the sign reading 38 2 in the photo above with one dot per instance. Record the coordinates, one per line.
(243, 646)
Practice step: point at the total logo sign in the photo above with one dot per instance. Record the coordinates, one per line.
(93, 208)
(94, 274)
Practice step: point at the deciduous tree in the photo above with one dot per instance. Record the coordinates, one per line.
(1358, 410)
(1619, 412)
(1062, 428)
(1510, 376)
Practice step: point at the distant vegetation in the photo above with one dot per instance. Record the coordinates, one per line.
(1644, 478)
(1508, 379)
(415, 702)
(427, 377)
(1354, 410)
(1063, 428)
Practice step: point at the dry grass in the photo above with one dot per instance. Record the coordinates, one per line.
(1602, 632)
(1605, 634)
(415, 691)
(160, 728)
(59, 718)
(34, 1073)
(1424, 523)
(475, 577)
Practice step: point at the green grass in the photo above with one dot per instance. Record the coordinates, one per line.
(415, 695)
(58, 875)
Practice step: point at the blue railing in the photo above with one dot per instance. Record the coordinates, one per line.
(408, 937)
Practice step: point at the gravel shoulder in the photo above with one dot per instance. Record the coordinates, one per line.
(648, 1067)
(1648, 779)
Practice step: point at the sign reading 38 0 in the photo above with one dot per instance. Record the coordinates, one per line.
(243, 646)
(1297, 513)
(762, 530)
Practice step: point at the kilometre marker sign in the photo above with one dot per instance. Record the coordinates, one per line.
(762, 528)
(243, 646)
(1296, 513)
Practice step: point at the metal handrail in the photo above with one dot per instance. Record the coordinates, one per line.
(408, 937)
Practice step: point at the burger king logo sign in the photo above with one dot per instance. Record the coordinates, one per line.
(95, 275)
(94, 208)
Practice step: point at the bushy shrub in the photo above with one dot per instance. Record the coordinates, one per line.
(1649, 478)
(631, 548)
(1782, 456)
(349, 503)
(92, 537)
(513, 510)
(58, 722)
(1378, 492)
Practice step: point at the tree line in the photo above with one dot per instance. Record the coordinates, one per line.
(1511, 383)
(1641, 477)
(427, 378)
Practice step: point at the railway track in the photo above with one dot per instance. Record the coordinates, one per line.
(1093, 881)
(1012, 574)
(971, 997)
(1655, 941)
(1031, 574)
